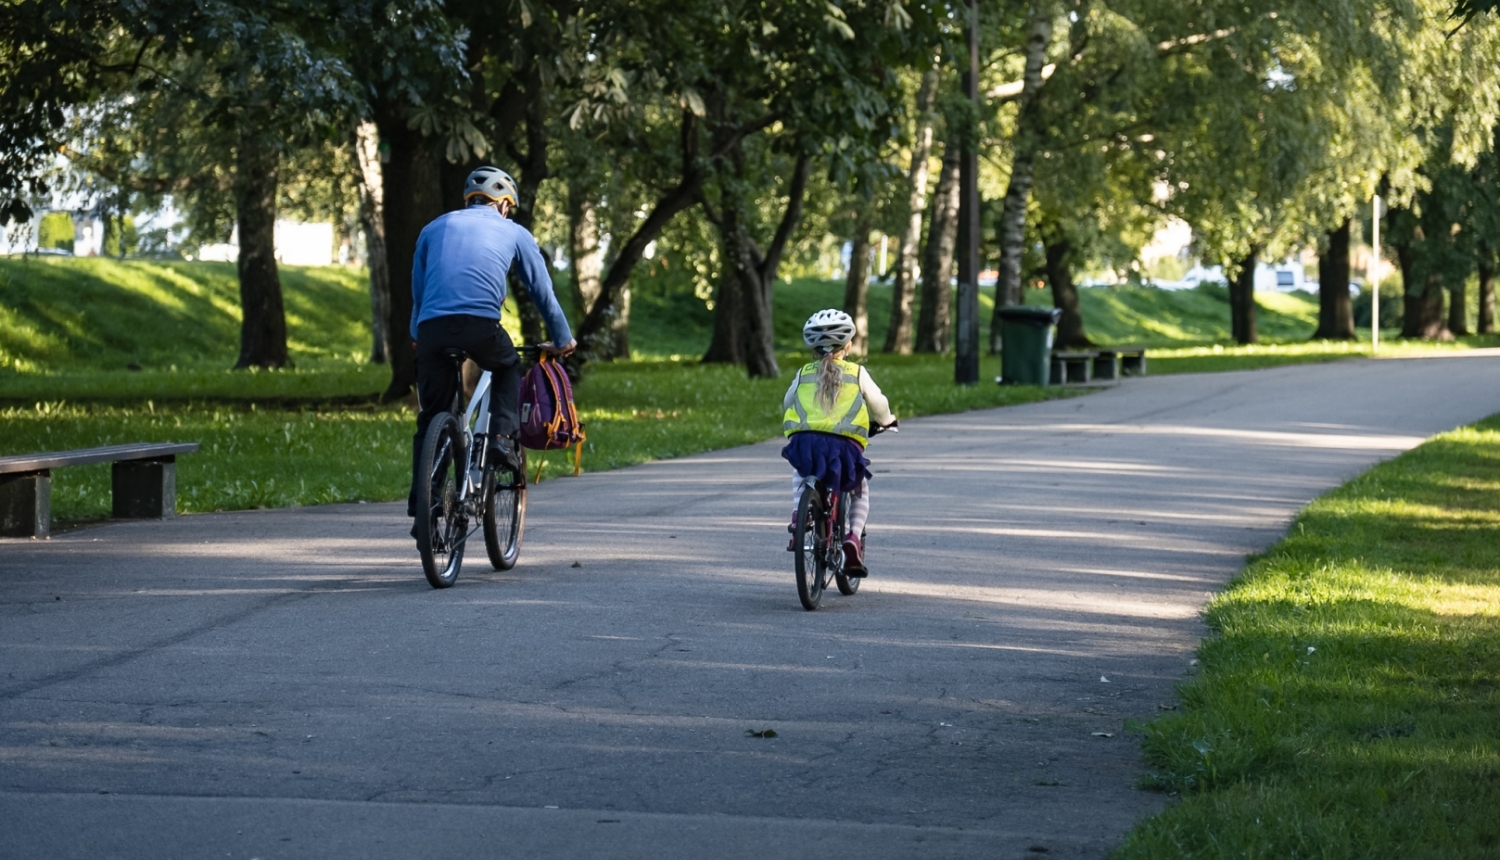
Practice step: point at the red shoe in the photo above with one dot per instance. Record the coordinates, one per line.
(854, 556)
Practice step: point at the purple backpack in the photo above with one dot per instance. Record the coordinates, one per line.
(548, 418)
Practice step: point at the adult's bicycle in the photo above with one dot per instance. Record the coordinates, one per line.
(465, 490)
(818, 541)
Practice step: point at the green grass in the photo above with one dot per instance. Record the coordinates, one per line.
(255, 456)
(1348, 703)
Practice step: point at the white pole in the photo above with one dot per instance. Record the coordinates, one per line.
(883, 237)
(1375, 280)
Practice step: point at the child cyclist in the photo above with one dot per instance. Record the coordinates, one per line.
(829, 410)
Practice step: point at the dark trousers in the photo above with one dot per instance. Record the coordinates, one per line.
(490, 347)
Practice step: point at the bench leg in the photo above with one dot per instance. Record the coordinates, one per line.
(1133, 365)
(144, 489)
(26, 505)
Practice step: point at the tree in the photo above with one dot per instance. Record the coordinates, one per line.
(898, 333)
(412, 104)
(1335, 310)
(1025, 141)
(857, 280)
(934, 314)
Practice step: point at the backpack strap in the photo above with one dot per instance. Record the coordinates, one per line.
(551, 368)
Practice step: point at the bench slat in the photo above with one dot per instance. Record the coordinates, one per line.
(103, 454)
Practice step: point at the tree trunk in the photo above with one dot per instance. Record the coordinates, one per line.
(413, 197)
(586, 257)
(1242, 300)
(1070, 333)
(584, 253)
(1486, 291)
(742, 324)
(532, 170)
(934, 315)
(1458, 308)
(263, 320)
(898, 334)
(372, 222)
(743, 331)
(1335, 311)
(857, 284)
(1424, 310)
(1024, 143)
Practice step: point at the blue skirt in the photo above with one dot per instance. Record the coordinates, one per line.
(835, 460)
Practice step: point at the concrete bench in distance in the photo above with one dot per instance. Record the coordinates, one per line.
(1123, 360)
(1075, 367)
(143, 483)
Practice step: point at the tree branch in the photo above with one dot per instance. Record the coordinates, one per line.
(789, 219)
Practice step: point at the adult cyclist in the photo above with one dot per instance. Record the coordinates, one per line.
(458, 285)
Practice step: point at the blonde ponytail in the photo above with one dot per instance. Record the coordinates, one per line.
(830, 378)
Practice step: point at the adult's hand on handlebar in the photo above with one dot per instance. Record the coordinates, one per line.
(565, 349)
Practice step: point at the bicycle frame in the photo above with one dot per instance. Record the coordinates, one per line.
(477, 415)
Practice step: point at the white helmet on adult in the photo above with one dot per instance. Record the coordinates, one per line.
(828, 330)
(491, 183)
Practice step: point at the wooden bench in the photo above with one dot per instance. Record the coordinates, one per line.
(1075, 367)
(143, 483)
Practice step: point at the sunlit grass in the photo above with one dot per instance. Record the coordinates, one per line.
(98, 313)
(1348, 704)
(1216, 357)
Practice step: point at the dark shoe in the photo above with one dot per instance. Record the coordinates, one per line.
(503, 451)
(854, 556)
(413, 528)
(791, 529)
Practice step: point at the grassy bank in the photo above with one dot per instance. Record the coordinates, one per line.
(1348, 704)
(61, 314)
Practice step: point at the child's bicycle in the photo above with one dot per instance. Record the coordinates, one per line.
(818, 542)
(464, 490)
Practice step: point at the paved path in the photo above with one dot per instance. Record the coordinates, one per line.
(284, 683)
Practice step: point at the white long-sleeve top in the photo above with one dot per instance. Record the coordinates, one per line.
(875, 399)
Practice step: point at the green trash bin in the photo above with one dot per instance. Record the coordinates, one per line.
(1026, 344)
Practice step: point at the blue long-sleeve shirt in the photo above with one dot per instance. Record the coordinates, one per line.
(460, 268)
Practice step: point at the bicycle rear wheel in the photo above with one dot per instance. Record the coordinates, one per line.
(443, 526)
(505, 512)
(807, 539)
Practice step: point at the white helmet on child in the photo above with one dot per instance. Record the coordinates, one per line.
(828, 330)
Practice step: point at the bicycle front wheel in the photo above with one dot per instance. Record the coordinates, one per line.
(806, 538)
(505, 512)
(442, 527)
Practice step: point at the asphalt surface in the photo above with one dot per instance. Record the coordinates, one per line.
(284, 684)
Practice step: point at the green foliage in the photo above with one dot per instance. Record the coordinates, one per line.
(1346, 705)
(56, 231)
(120, 237)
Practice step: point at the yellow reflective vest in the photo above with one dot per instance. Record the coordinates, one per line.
(849, 416)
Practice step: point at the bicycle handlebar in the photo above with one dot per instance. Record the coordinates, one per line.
(894, 427)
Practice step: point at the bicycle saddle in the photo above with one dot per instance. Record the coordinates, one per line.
(455, 355)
